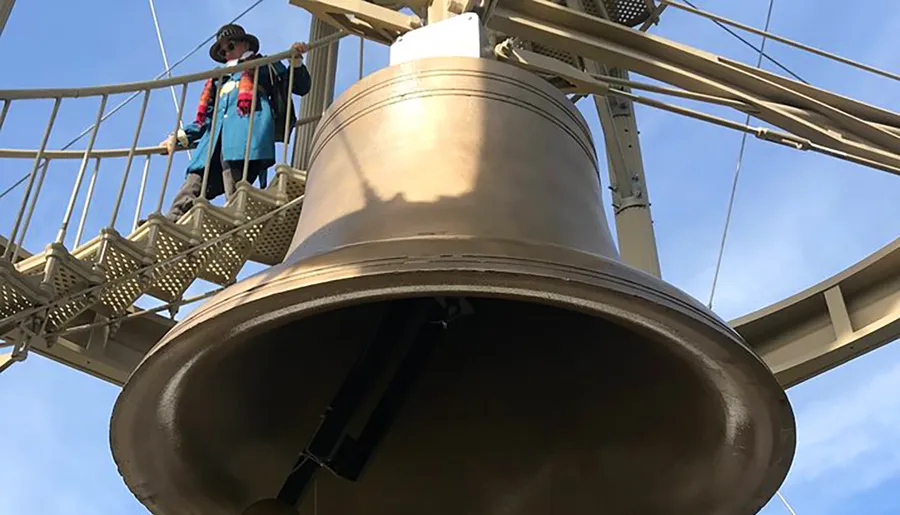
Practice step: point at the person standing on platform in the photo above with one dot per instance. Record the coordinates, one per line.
(228, 139)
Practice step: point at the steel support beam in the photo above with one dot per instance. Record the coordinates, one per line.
(814, 118)
(363, 18)
(5, 10)
(630, 196)
(439, 10)
(322, 66)
(590, 37)
(582, 83)
(110, 356)
(839, 319)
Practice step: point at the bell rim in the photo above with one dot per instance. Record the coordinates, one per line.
(444, 257)
(481, 284)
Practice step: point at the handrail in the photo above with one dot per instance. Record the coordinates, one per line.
(42, 158)
(129, 87)
(16, 153)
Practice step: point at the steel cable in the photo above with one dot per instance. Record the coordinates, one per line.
(737, 173)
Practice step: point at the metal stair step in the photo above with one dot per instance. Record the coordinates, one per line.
(118, 258)
(64, 277)
(252, 203)
(166, 239)
(18, 292)
(275, 239)
(222, 261)
(290, 182)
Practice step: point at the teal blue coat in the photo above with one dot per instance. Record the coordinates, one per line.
(231, 127)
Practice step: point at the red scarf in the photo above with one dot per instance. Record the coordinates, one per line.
(245, 94)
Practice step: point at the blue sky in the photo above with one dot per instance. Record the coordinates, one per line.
(798, 218)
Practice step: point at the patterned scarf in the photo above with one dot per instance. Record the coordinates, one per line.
(245, 94)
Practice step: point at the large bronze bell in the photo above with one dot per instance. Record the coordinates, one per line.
(452, 334)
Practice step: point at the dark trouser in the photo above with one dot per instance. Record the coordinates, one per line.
(223, 175)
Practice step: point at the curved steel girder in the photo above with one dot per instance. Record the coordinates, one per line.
(830, 323)
(104, 354)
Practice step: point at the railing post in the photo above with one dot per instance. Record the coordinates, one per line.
(87, 204)
(34, 200)
(252, 115)
(290, 109)
(322, 67)
(217, 88)
(8, 252)
(362, 55)
(140, 199)
(134, 142)
(6, 104)
(165, 183)
(70, 209)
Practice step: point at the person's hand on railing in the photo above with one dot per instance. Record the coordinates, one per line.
(299, 49)
(169, 144)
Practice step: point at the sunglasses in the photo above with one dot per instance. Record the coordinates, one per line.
(229, 47)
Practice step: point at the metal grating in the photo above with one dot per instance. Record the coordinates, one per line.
(60, 316)
(68, 275)
(560, 55)
(13, 301)
(171, 280)
(626, 12)
(222, 261)
(274, 241)
(566, 57)
(119, 259)
(292, 183)
(18, 292)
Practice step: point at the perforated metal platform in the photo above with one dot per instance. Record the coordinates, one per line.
(626, 12)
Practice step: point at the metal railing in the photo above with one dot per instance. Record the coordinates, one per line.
(42, 157)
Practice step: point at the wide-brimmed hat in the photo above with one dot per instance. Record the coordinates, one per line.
(231, 32)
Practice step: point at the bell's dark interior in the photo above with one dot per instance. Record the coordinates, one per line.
(516, 407)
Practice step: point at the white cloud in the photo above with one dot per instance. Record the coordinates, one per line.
(853, 434)
(848, 452)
